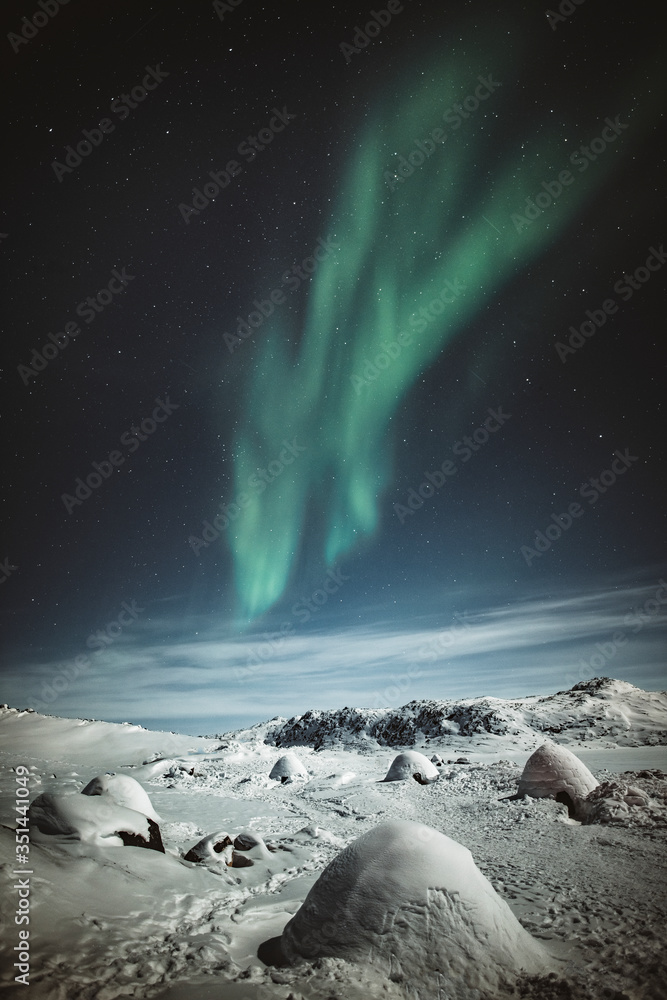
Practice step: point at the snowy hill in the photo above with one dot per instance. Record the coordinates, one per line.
(23, 732)
(598, 709)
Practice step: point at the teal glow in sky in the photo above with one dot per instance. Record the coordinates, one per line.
(418, 257)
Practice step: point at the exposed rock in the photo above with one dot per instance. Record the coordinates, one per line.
(210, 848)
(590, 710)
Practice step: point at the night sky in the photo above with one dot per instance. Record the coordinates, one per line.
(333, 358)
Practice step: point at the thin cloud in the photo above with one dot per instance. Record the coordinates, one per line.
(532, 646)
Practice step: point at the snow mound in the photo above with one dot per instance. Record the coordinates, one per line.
(554, 770)
(406, 897)
(124, 790)
(92, 820)
(412, 764)
(621, 803)
(288, 768)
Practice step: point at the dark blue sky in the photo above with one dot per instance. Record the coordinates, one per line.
(147, 388)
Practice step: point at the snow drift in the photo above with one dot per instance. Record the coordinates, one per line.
(95, 743)
(410, 899)
(124, 790)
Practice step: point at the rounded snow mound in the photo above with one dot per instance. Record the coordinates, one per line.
(288, 768)
(406, 897)
(124, 790)
(412, 764)
(554, 770)
(92, 820)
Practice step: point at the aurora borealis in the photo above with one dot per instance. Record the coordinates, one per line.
(421, 247)
(458, 218)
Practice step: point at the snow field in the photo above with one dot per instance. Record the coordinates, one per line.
(111, 922)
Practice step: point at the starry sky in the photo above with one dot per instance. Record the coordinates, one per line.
(333, 355)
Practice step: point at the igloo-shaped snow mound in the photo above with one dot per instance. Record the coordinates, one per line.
(554, 770)
(124, 790)
(92, 820)
(405, 893)
(412, 764)
(288, 768)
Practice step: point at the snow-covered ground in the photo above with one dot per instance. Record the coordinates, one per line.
(115, 921)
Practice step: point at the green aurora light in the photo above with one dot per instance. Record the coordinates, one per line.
(398, 250)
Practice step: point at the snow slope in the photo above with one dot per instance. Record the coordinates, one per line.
(22, 733)
(110, 922)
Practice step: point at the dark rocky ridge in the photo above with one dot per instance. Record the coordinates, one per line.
(598, 708)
